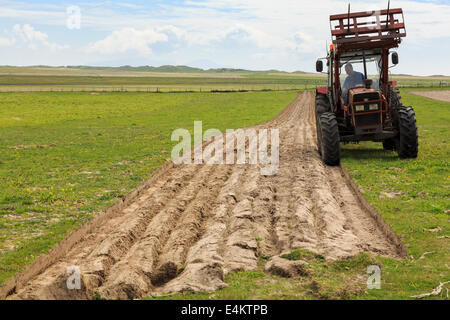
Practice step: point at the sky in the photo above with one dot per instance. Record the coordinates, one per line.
(287, 35)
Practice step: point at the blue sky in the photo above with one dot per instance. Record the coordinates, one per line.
(254, 34)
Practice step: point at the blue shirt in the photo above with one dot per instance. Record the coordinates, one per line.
(355, 79)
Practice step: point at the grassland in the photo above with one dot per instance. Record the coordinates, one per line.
(65, 156)
(155, 83)
(414, 198)
(128, 79)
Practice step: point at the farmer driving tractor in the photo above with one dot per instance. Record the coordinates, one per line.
(354, 79)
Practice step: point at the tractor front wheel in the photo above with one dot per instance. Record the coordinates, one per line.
(407, 142)
(322, 104)
(328, 139)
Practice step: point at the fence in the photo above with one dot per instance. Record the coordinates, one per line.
(304, 84)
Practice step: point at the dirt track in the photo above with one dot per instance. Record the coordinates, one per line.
(192, 224)
(442, 95)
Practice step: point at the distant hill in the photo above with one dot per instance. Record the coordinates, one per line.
(181, 69)
(225, 70)
(166, 69)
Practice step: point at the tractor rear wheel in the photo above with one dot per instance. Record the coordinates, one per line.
(407, 142)
(328, 139)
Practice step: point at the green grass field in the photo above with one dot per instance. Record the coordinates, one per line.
(413, 196)
(14, 79)
(154, 82)
(65, 156)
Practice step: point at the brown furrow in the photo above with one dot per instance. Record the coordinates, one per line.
(264, 221)
(240, 243)
(204, 263)
(130, 277)
(291, 155)
(191, 224)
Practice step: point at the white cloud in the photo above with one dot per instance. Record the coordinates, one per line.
(5, 42)
(262, 39)
(128, 39)
(28, 34)
(128, 5)
(306, 43)
(179, 33)
(33, 38)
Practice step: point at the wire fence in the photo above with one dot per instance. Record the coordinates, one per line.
(424, 84)
(153, 90)
(305, 85)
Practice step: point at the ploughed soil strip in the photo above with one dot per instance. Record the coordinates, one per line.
(190, 225)
(436, 94)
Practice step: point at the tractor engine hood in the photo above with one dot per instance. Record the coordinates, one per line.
(360, 90)
(359, 95)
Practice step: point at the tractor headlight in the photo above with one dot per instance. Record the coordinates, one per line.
(373, 107)
(359, 108)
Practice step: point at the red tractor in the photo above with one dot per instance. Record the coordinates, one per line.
(362, 104)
